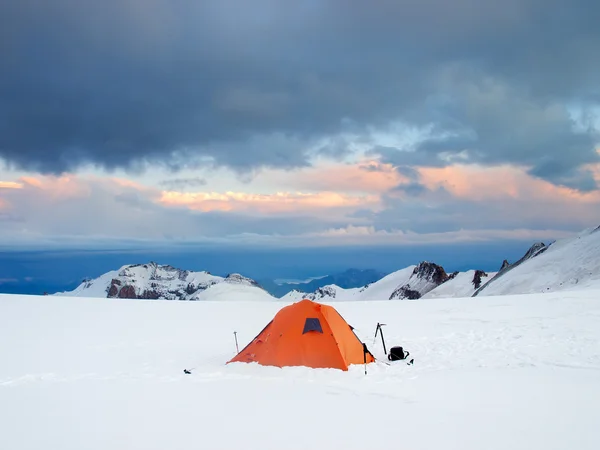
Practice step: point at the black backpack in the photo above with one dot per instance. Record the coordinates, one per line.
(397, 353)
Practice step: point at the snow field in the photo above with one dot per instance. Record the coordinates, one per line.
(518, 372)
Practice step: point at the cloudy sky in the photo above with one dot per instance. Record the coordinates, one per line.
(291, 124)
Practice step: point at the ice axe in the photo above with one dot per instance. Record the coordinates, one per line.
(379, 329)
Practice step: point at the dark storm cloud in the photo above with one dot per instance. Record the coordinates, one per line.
(490, 122)
(253, 84)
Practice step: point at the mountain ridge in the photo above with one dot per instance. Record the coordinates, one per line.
(568, 263)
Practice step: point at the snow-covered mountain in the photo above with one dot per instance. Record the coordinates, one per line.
(567, 264)
(425, 280)
(154, 281)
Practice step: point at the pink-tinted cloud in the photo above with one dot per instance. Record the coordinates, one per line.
(65, 186)
(282, 202)
(492, 183)
(474, 200)
(371, 177)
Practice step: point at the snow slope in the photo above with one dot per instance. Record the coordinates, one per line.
(154, 281)
(504, 372)
(459, 286)
(567, 264)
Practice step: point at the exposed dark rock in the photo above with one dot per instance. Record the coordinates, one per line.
(405, 292)
(150, 295)
(113, 290)
(452, 276)
(326, 291)
(477, 278)
(190, 289)
(127, 292)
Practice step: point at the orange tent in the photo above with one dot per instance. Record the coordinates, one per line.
(306, 334)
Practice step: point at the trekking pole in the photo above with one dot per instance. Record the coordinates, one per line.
(365, 356)
(236, 342)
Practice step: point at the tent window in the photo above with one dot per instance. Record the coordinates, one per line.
(312, 324)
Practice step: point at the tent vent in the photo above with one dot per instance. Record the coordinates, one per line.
(312, 324)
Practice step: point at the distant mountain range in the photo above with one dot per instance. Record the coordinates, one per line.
(572, 263)
(350, 278)
(425, 280)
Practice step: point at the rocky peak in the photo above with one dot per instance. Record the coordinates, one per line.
(236, 278)
(430, 272)
(425, 277)
(321, 293)
(535, 250)
(326, 291)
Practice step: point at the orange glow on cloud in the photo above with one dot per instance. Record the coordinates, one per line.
(64, 186)
(490, 183)
(32, 181)
(10, 185)
(128, 183)
(265, 203)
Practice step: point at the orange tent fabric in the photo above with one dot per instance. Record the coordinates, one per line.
(306, 334)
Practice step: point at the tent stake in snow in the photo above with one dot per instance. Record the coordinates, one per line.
(380, 330)
(236, 342)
